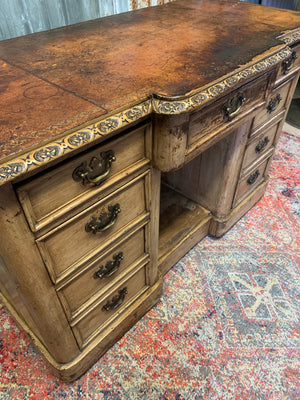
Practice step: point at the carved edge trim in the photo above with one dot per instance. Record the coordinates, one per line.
(53, 150)
(290, 37)
(197, 99)
(75, 140)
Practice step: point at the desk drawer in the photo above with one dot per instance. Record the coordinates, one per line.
(102, 273)
(260, 144)
(251, 180)
(49, 195)
(276, 102)
(65, 248)
(291, 64)
(216, 116)
(109, 308)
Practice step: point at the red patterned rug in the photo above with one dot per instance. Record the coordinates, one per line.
(227, 326)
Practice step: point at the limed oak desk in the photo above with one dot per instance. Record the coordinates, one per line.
(124, 141)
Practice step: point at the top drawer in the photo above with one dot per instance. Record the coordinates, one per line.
(291, 64)
(234, 106)
(48, 196)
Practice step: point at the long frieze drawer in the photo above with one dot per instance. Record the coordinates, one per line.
(276, 102)
(227, 109)
(82, 237)
(260, 144)
(251, 180)
(102, 273)
(49, 195)
(88, 326)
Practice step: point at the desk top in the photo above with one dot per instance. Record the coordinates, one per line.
(115, 70)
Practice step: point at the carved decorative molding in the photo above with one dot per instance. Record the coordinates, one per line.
(75, 140)
(35, 158)
(291, 37)
(162, 106)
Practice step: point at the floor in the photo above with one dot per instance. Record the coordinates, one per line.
(291, 129)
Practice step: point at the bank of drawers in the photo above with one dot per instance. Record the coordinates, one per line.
(265, 130)
(92, 229)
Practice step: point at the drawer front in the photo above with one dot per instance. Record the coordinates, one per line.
(86, 328)
(260, 144)
(277, 102)
(231, 107)
(251, 180)
(65, 248)
(102, 273)
(291, 64)
(49, 195)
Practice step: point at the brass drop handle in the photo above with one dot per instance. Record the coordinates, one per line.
(262, 145)
(233, 106)
(96, 171)
(116, 301)
(252, 178)
(274, 103)
(289, 62)
(110, 267)
(105, 220)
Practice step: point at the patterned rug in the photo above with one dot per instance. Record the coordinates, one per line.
(227, 326)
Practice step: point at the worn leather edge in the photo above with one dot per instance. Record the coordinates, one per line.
(32, 158)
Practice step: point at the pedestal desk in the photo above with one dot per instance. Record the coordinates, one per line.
(124, 141)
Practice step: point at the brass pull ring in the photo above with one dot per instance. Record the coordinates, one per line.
(233, 106)
(110, 267)
(105, 220)
(274, 103)
(96, 171)
(289, 62)
(116, 301)
(252, 178)
(262, 145)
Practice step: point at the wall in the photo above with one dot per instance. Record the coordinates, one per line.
(20, 17)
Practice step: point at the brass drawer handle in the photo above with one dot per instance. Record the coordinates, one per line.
(233, 106)
(262, 145)
(116, 301)
(96, 171)
(105, 220)
(274, 103)
(110, 267)
(252, 178)
(289, 62)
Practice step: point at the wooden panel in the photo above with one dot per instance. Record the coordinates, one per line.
(97, 318)
(25, 283)
(210, 179)
(212, 117)
(67, 246)
(85, 285)
(54, 192)
(183, 223)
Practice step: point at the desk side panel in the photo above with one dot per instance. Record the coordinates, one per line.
(26, 285)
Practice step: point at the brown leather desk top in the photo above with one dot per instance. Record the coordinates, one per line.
(55, 81)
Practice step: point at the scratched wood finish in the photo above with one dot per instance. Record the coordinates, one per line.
(112, 62)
